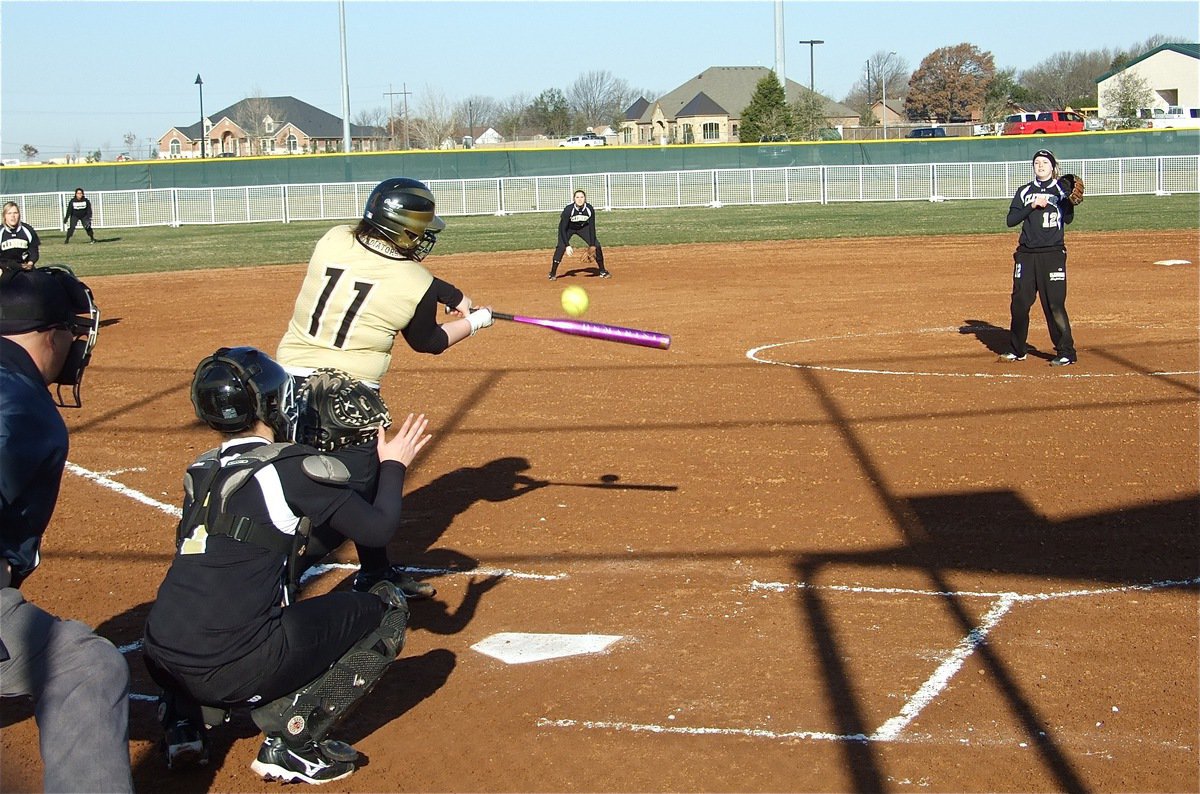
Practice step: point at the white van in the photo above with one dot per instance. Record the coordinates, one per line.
(1171, 118)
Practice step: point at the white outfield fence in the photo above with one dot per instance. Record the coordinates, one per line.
(824, 184)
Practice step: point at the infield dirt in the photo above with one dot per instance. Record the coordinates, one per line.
(870, 558)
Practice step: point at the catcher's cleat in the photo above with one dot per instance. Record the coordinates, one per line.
(1061, 361)
(1010, 357)
(310, 763)
(410, 587)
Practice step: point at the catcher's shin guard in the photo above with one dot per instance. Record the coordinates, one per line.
(309, 713)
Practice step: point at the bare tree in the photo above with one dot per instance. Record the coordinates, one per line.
(252, 116)
(130, 138)
(949, 83)
(512, 115)
(434, 122)
(29, 151)
(598, 99)
(476, 113)
(1066, 78)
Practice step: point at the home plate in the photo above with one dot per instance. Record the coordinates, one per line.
(519, 648)
(1173, 262)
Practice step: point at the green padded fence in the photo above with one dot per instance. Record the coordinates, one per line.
(493, 163)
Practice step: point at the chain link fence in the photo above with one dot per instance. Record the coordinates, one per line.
(636, 190)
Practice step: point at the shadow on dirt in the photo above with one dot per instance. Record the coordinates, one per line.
(993, 532)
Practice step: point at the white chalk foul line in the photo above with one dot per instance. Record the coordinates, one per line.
(124, 490)
(1015, 596)
(756, 733)
(934, 685)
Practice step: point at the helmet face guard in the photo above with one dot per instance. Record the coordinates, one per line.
(403, 211)
(235, 388)
(85, 325)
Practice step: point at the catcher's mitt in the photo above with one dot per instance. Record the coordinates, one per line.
(338, 411)
(1074, 186)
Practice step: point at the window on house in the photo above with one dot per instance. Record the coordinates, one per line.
(687, 134)
(733, 130)
(293, 145)
(175, 148)
(712, 131)
(268, 125)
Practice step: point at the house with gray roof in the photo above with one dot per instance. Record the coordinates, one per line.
(708, 108)
(268, 125)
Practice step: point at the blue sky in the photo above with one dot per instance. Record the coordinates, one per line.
(85, 73)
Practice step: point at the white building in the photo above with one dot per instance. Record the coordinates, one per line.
(1172, 71)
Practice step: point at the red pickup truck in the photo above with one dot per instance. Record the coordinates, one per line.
(1045, 123)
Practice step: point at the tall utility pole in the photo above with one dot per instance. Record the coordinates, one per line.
(392, 113)
(404, 92)
(811, 47)
(345, 80)
(203, 132)
(883, 76)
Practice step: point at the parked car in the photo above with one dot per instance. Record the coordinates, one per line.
(590, 139)
(1047, 122)
(926, 132)
(1174, 116)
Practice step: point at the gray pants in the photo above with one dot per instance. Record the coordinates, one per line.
(80, 687)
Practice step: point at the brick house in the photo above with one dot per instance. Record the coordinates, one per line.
(708, 108)
(268, 125)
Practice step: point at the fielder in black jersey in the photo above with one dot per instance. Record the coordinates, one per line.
(577, 219)
(79, 211)
(1040, 261)
(224, 631)
(19, 243)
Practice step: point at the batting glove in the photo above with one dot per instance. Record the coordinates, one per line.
(480, 318)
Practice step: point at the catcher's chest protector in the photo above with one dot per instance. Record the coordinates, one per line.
(208, 485)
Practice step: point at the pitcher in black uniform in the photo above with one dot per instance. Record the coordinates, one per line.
(577, 218)
(1040, 261)
(19, 243)
(223, 631)
(79, 211)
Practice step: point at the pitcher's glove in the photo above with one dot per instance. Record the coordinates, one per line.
(1074, 186)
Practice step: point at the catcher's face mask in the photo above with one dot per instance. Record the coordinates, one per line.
(84, 325)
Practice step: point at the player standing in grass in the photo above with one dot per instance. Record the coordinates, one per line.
(1042, 209)
(578, 218)
(79, 211)
(364, 285)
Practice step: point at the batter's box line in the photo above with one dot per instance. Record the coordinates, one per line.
(1018, 597)
(893, 728)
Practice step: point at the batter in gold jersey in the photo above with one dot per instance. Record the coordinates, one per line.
(364, 285)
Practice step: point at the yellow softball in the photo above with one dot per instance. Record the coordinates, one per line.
(575, 301)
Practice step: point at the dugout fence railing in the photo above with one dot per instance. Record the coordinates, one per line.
(822, 184)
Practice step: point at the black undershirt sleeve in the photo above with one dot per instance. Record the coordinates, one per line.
(374, 524)
(423, 333)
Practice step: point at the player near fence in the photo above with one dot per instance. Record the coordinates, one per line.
(79, 211)
(1042, 207)
(224, 631)
(578, 219)
(77, 680)
(19, 243)
(365, 285)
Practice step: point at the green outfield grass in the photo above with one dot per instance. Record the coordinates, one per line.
(155, 249)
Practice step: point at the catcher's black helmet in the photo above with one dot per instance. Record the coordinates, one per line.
(402, 210)
(235, 387)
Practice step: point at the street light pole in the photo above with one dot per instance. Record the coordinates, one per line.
(203, 132)
(883, 82)
(811, 43)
